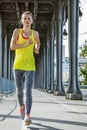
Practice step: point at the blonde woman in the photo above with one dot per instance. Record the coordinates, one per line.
(25, 42)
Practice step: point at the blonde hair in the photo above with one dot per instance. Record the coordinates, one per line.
(26, 12)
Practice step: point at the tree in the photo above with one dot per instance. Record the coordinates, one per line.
(83, 71)
(83, 49)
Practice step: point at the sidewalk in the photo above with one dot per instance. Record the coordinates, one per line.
(49, 112)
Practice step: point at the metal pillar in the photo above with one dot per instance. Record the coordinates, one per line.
(59, 25)
(50, 88)
(0, 46)
(73, 15)
(44, 67)
(5, 57)
(48, 62)
(52, 58)
(39, 71)
(11, 61)
(9, 64)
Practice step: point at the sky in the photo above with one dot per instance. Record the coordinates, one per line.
(82, 28)
(83, 23)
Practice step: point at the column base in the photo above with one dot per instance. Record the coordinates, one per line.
(73, 96)
(58, 93)
(45, 90)
(50, 91)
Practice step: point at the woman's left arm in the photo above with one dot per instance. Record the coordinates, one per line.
(37, 42)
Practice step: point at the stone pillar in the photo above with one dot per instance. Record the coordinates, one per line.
(59, 90)
(73, 15)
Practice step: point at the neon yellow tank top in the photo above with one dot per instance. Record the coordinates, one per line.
(24, 58)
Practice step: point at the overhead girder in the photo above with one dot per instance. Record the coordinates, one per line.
(42, 11)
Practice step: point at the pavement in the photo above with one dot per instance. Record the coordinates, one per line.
(49, 112)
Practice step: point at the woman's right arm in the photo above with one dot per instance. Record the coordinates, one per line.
(14, 38)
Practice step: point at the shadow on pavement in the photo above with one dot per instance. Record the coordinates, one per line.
(45, 120)
(44, 127)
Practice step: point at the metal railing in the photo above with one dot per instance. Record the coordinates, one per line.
(6, 87)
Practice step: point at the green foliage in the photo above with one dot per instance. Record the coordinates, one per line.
(83, 49)
(83, 71)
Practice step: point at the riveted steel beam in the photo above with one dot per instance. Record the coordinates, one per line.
(73, 91)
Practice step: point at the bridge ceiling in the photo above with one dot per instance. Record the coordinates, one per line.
(42, 11)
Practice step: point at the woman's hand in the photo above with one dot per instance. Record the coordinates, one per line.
(36, 51)
(36, 48)
(29, 42)
(37, 43)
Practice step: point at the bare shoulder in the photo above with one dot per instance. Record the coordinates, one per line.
(16, 31)
(36, 33)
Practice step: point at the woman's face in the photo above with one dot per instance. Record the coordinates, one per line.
(26, 20)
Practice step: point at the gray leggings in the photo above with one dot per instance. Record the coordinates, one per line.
(24, 79)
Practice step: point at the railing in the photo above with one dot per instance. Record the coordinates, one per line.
(6, 87)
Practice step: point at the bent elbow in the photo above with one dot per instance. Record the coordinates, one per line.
(12, 48)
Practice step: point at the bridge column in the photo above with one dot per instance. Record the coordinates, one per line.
(5, 56)
(39, 71)
(0, 46)
(48, 60)
(73, 15)
(52, 57)
(4, 53)
(45, 65)
(59, 90)
(9, 64)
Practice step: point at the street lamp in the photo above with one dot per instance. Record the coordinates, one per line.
(80, 11)
(65, 34)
